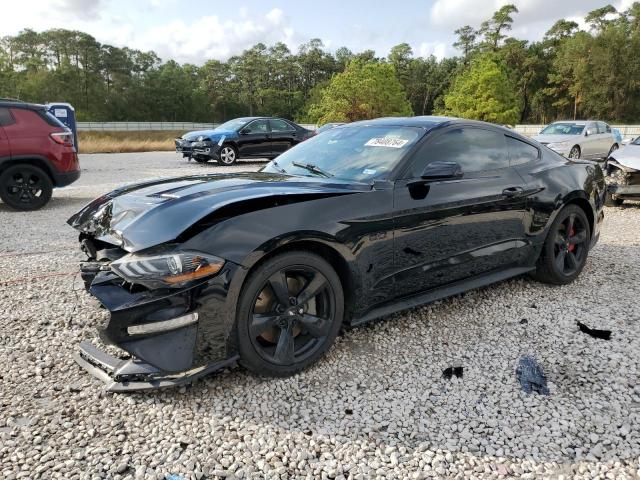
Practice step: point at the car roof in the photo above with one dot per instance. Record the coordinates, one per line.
(13, 103)
(427, 122)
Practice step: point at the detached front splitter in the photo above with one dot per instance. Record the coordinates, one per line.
(134, 375)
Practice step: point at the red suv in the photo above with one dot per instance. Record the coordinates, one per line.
(36, 154)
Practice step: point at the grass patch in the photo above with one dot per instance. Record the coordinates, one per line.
(126, 142)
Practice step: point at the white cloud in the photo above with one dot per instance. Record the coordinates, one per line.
(195, 40)
(211, 37)
(437, 49)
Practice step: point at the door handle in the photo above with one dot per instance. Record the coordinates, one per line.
(512, 192)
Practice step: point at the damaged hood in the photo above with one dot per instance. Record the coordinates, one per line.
(628, 156)
(146, 214)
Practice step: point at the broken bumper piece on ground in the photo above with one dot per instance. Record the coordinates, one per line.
(130, 375)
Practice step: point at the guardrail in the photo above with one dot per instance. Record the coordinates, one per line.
(146, 126)
(628, 131)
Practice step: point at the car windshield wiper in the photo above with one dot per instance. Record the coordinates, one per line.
(312, 168)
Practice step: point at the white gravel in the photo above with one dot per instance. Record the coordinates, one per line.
(376, 406)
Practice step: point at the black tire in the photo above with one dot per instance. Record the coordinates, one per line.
(611, 201)
(279, 340)
(575, 152)
(25, 187)
(565, 250)
(228, 155)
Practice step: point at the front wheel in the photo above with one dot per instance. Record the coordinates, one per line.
(289, 314)
(564, 253)
(575, 152)
(25, 187)
(228, 155)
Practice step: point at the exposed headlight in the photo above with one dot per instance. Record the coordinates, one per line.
(173, 269)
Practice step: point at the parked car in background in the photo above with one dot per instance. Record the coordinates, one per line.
(579, 139)
(357, 223)
(37, 153)
(328, 126)
(623, 174)
(249, 137)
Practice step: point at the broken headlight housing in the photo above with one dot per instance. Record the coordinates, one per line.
(172, 269)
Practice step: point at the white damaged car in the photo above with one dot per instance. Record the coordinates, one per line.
(623, 174)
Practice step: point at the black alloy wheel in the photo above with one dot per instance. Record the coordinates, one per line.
(289, 314)
(565, 251)
(25, 187)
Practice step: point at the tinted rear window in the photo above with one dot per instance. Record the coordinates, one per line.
(50, 119)
(5, 117)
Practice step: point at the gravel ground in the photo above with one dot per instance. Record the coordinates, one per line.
(376, 406)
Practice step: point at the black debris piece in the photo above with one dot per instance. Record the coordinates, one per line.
(348, 411)
(450, 372)
(524, 321)
(594, 332)
(531, 376)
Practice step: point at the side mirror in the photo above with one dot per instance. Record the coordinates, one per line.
(442, 170)
(245, 131)
(589, 131)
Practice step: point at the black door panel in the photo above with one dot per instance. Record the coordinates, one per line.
(255, 139)
(283, 136)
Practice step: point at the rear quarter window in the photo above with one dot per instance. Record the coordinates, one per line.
(521, 152)
(50, 119)
(6, 118)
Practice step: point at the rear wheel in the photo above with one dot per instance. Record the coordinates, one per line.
(289, 314)
(565, 250)
(25, 187)
(575, 152)
(228, 155)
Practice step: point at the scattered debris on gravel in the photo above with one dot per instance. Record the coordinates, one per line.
(531, 376)
(594, 332)
(374, 407)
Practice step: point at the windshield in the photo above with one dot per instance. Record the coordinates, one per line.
(636, 141)
(232, 125)
(358, 153)
(564, 128)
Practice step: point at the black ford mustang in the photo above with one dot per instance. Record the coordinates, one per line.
(358, 222)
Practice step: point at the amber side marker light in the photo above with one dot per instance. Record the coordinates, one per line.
(201, 271)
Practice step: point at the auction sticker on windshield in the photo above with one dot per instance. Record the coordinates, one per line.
(386, 142)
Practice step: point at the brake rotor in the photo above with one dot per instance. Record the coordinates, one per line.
(266, 303)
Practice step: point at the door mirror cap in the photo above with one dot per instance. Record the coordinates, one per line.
(589, 131)
(442, 170)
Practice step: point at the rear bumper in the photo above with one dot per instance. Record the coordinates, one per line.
(131, 375)
(65, 178)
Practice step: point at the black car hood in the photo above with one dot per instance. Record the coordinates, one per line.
(146, 214)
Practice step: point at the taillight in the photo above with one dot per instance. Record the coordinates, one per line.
(63, 138)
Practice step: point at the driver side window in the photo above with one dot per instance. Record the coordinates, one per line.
(258, 126)
(474, 149)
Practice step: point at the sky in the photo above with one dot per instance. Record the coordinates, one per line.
(197, 30)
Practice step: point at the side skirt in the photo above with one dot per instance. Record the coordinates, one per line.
(440, 293)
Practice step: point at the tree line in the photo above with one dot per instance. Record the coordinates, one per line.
(569, 73)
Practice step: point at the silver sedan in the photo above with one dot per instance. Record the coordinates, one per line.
(579, 139)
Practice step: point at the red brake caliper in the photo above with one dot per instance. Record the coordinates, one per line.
(572, 246)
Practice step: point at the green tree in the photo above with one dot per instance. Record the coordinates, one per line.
(493, 29)
(362, 91)
(484, 91)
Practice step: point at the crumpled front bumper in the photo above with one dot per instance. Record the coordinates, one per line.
(168, 337)
(131, 375)
(206, 150)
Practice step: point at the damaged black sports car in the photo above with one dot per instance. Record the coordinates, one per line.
(363, 220)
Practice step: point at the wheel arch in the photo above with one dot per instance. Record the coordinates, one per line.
(34, 161)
